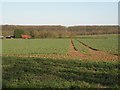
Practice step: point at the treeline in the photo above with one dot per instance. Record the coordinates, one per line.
(58, 31)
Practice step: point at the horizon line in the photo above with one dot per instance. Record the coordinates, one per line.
(62, 25)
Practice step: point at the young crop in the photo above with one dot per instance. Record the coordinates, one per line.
(35, 46)
(108, 44)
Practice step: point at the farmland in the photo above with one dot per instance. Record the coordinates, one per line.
(51, 73)
(36, 46)
(108, 43)
(68, 63)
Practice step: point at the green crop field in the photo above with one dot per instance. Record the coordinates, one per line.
(107, 43)
(48, 72)
(35, 46)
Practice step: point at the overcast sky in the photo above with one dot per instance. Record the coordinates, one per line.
(60, 13)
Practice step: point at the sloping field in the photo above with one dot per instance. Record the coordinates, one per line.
(107, 43)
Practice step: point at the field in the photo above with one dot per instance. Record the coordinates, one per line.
(81, 62)
(50, 73)
(35, 46)
(108, 43)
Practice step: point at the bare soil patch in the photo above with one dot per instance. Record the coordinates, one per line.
(73, 52)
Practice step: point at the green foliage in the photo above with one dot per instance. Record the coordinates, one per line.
(18, 33)
(50, 73)
(32, 34)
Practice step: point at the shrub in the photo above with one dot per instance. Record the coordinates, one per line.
(18, 33)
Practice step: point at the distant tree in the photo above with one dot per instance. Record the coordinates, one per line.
(18, 33)
(32, 34)
(57, 31)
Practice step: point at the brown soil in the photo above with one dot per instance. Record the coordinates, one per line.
(100, 55)
(73, 52)
(92, 55)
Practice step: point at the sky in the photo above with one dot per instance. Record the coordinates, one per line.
(59, 0)
(60, 13)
